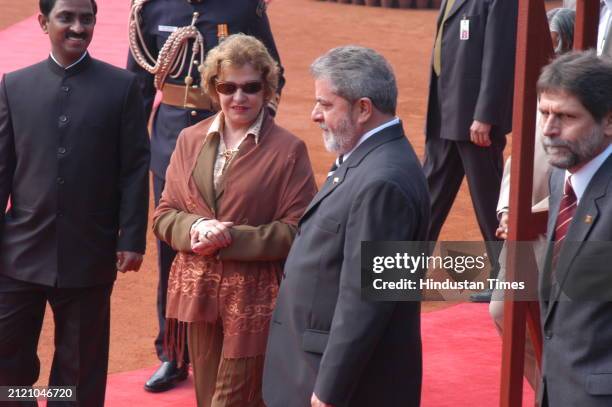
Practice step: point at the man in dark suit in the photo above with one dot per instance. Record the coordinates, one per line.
(470, 109)
(153, 25)
(327, 346)
(575, 93)
(74, 159)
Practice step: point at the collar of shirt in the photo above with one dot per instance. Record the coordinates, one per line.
(71, 65)
(582, 177)
(369, 134)
(216, 127)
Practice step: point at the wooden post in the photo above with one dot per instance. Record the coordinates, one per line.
(533, 50)
(587, 20)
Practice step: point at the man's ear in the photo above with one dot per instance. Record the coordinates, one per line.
(365, 109)
(607, 124)
(42, 20)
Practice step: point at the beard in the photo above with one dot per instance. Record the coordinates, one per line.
(340, 140)
(566, 154)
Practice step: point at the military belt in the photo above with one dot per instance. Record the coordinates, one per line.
(195, 98)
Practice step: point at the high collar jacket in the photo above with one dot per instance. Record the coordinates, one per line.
(74, 158)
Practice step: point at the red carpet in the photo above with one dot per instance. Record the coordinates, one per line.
(461, 351)
(462, 359)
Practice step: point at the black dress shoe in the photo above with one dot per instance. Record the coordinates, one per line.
(482, 296)
(166, 377)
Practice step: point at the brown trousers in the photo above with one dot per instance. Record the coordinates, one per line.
(221, 382)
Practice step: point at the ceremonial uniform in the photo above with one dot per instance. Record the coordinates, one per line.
(158, 30)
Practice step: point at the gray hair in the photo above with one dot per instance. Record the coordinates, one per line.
(357, 72)
(561, 21)
(584, 75)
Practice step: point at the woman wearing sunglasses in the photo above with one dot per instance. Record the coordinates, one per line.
(235, 188)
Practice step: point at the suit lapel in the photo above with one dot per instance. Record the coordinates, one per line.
(339, 176)
(585, 218)
(204, 170)
(331, 183)
(455, 8)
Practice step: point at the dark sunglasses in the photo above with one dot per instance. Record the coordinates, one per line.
(229, 88)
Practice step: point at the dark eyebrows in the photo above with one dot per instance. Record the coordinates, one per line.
(68, 13)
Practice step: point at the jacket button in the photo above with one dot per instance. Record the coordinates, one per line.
(60, 180)
(63, 118)
(194, 113)
(548, 335)
(66, 88)
(61, 150)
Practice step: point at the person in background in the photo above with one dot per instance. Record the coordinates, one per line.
(470, 112)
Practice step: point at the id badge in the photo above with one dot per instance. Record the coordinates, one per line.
(464, 30)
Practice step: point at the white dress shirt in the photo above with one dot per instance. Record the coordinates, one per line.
(369, 134)
(71, 65)
(582, 177)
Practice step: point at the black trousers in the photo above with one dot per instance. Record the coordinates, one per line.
(82, 328)
(165, 257)
(446, 163)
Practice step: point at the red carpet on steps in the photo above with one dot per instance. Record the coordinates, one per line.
(461, 349)
(461, 352)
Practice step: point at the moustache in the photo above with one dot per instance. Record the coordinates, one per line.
(548, 142)
(72, 35)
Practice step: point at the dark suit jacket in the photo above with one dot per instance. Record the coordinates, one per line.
(576, 311)
(323, 336)
(74, 158)
(476, 81)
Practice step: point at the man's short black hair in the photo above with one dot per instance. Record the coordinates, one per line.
(47, 5)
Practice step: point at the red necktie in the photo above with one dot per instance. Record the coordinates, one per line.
(567, 209)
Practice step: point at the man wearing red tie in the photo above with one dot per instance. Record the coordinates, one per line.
(575, 93)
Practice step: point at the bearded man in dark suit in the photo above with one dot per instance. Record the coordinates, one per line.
(74, 157)
(575, 101)
(327, 345)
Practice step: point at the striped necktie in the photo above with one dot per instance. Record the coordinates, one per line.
(567, 209)
(335, 165)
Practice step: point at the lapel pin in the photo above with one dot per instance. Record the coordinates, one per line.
(588, 219)
(336, 180)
